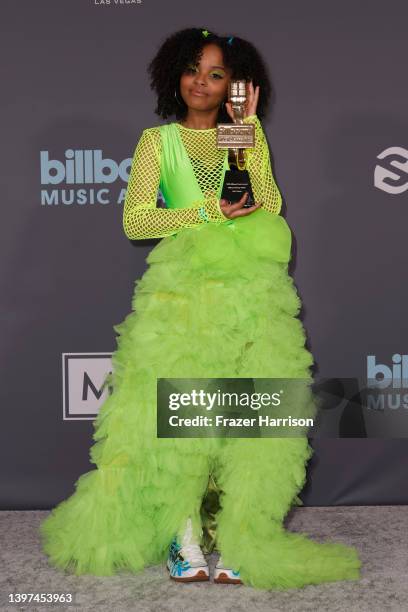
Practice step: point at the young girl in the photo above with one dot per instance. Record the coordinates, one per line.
(215, 302)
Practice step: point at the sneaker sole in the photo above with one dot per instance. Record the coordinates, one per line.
(200, 576)
(223, 578)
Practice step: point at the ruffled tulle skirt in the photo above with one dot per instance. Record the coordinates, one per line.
(215, 301)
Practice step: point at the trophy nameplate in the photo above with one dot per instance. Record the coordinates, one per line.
(236, 137)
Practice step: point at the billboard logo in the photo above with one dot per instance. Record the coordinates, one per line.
(82, 166)
(380, 376)
(391, 174)
(85, 167)
(385, 384)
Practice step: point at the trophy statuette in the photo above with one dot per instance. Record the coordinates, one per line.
(236, 137)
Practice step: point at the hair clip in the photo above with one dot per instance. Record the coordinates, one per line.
(231, 38)
(205, 33)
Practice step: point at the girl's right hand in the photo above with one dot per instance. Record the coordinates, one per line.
(237, 209)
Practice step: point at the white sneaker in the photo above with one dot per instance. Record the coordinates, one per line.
(186, 562)
(226, 575)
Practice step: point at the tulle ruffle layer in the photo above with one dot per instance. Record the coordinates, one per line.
(215, 301)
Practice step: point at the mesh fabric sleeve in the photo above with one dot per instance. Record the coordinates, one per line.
(259, 167)
(141, 216)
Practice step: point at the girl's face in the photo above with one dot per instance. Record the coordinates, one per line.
(205, 85)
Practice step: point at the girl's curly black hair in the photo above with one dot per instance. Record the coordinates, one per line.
(185, 47)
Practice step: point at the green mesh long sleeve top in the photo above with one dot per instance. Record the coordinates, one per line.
(141, 216)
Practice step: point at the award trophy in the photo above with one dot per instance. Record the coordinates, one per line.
(236, 137)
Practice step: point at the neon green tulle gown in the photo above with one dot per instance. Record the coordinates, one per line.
(215, 301)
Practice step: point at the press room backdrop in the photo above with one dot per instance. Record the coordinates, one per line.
(74, 80)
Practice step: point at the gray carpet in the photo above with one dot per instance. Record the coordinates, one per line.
(379, 532)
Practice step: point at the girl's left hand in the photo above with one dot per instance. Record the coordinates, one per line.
(251, 102)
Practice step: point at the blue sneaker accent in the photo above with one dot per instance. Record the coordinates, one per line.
(180, 568)
(225, 575)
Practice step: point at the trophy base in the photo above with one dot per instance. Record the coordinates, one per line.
(236, 182)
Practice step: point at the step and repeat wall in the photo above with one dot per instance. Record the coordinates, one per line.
(75, 99)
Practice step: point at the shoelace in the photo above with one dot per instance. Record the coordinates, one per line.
(193, 553)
